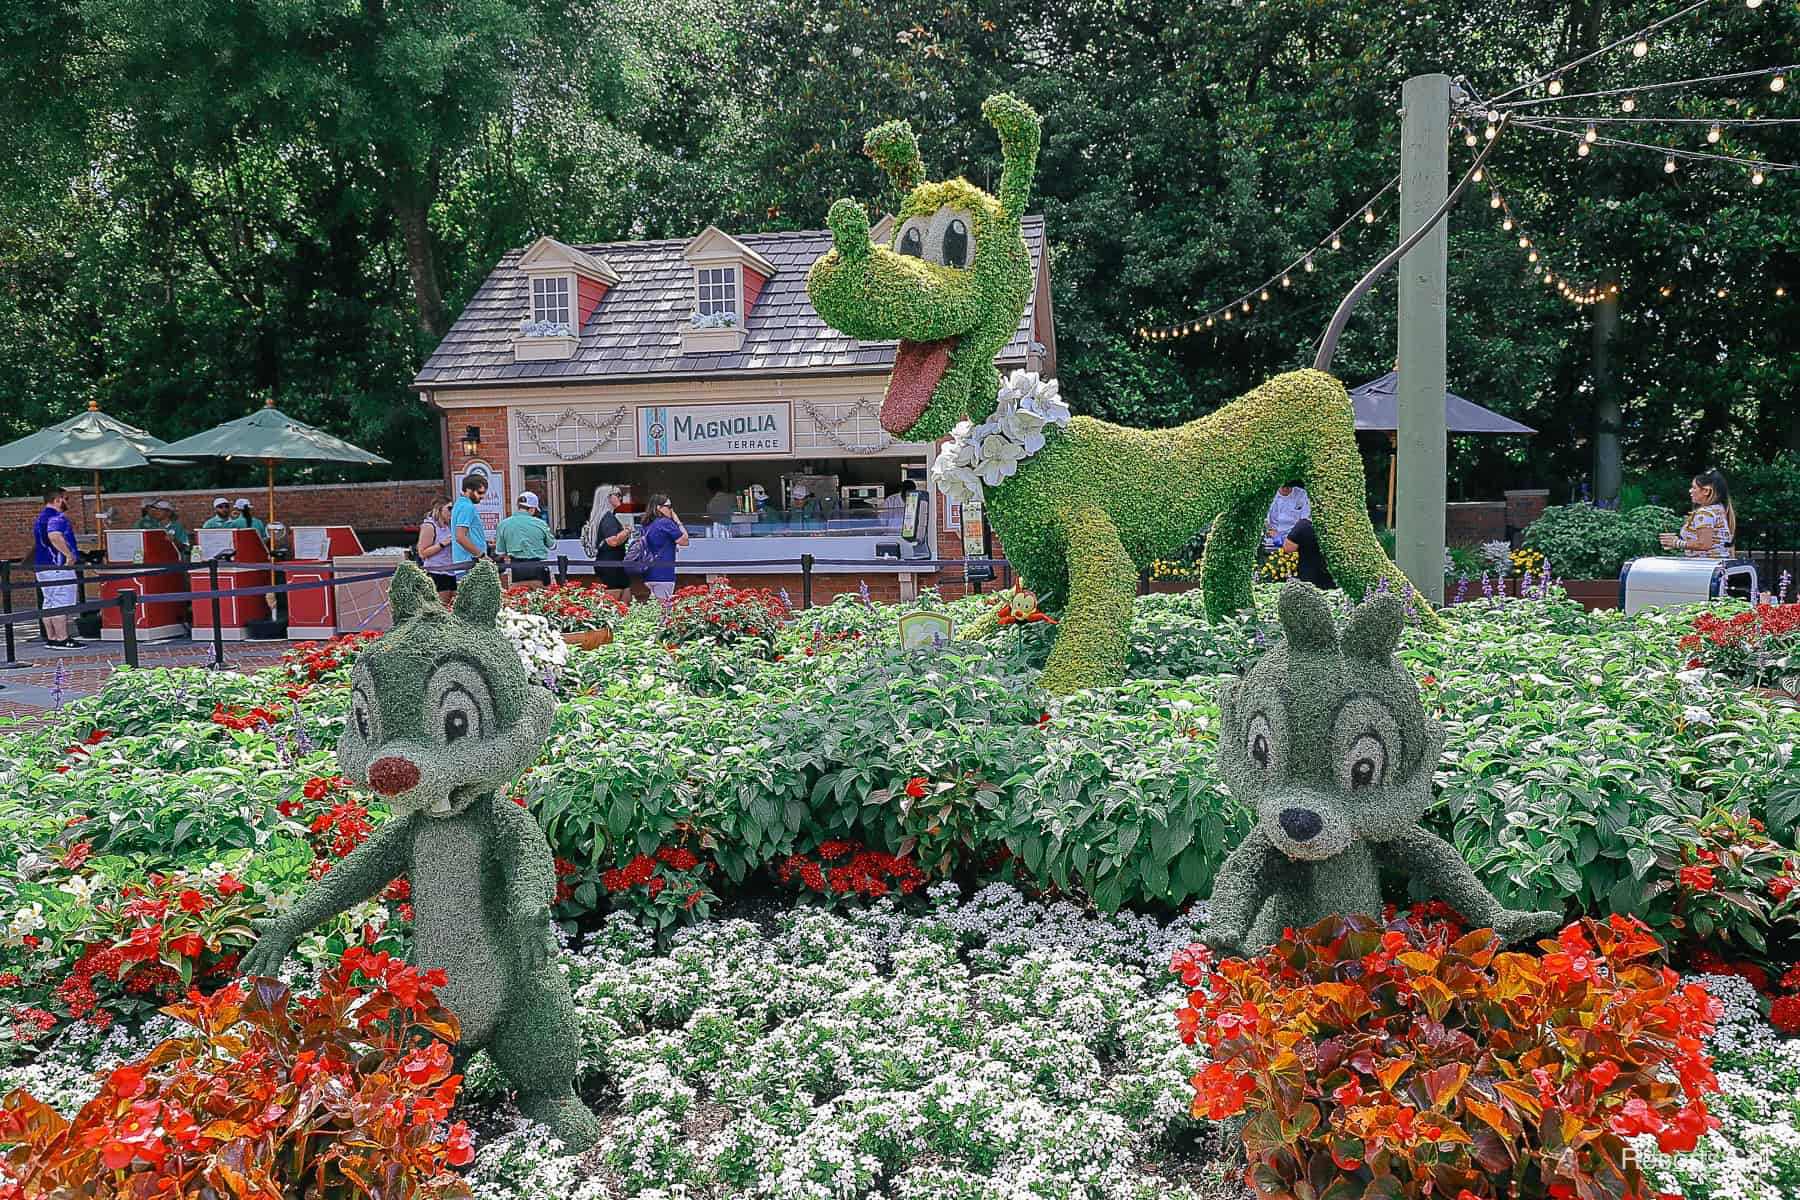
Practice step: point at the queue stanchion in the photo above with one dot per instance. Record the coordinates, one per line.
(6, 606)
(218, 631)
(128, 625)
(806, 570)
(562, 568)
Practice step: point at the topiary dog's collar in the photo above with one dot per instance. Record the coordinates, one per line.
(991, 452)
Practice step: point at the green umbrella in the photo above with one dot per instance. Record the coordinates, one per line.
(273, 436)
(91, 441)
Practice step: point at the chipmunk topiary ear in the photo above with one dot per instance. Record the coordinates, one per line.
(478, 595)
(410, 592)
(1306, 617)
(1373, 629)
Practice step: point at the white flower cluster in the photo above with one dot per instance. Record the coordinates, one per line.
(989, 453)
(530, 328)
(997, 1049)
(718, 320)
(540, 646)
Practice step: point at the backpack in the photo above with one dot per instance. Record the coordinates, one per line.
(637, 550)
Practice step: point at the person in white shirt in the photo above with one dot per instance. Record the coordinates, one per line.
(1290, 506)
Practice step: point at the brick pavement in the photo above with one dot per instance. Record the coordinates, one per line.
(27, 692)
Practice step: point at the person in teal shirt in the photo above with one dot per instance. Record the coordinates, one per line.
(525, 539)
(169, 523)
(221, 518)
(466, 529)
(246, 518)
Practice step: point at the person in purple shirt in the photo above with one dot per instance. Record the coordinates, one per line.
(53, 543)
(661, 536)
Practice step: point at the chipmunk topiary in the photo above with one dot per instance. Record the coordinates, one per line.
(442, 718)
(1325, 738)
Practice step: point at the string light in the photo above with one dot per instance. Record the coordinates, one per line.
(1507, 224)
(1629, 104)
(1336, 242)
(1368, 218)
(1556, 85)
(1286, 282)
(1309, 264)
(1757, 177)
(1669, 165)
(1714, 134)
(1469, 139)
(1479, 175)
(1265, 295)
(1494, 200)
(1640, 48)
(1584, 150)
(1778, 83)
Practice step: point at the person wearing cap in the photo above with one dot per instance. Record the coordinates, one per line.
(524, 539)
(244, 517)
(169, 523)
(221, 518)
(147, 518)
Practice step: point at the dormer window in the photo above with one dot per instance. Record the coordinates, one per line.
(550, 300)
(718, 295)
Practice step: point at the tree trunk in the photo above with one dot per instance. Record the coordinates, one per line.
(1609, 417)
(411, 204)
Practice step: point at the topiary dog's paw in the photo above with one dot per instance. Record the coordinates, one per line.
(895, 149)
(1515, 926)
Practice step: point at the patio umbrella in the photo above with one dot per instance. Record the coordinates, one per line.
(273, 436)
(1377, 407)
(90, 441)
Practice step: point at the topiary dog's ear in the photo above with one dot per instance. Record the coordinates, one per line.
(1306, 617)
(1019, 129)
(410, 592)
(1373, 629)
(895, 149)
(478, 595)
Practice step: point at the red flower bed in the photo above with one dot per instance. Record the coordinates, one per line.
(308, 661)
(1407, 1061)
(847, 869)
(1756, 647)
(569, 607)
(342, 1094)
(668, 886)
(723, 614)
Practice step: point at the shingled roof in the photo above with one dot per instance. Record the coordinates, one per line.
(635, 333)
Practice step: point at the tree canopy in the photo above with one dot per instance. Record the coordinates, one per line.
(206, 202)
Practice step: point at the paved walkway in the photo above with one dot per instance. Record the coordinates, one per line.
(48, 677)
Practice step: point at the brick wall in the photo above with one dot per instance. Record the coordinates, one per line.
(368, 507)
(1525, 506)
(495, 445)
(1472, 522)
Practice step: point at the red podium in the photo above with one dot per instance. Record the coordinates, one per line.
(247, 568)
(312, 613)
(143, 548)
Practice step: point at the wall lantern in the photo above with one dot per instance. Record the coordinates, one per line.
(472, 441)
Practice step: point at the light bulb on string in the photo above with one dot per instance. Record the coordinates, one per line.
(1228, 314)
(1470, 140)
(1583, 150)
(1265, 295)
(1507, 224)
(1640, 48)
(1591, 136)
(1549, 278)
(1669, 165)
(1337, 243)
(1780, 292)
(1493, 115)
(1209, 322)
(1494, 201)
(1629, 104)
(1532, 257)
(1757, 177)
(1753, 3)
(1246, 306)
(1308, 264)
(1556, 86)
(1779, 83)
(1287, 281)
(1491, 130)
(1666, 291)
(1479, 175)
(1524, 242)
(1369, 215)
(1721, 293)
(1714, 134)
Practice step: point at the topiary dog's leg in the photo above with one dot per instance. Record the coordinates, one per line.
(1229, 561)
(1092, 644)
(1346, 536)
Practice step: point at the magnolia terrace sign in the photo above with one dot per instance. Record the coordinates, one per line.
(701, 430)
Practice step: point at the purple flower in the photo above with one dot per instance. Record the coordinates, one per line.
(1256, 637)
(58, 684)
(1381, 586)
(863, 589)
(1487, 586)
(303, 743)
(786, 601)
(1462, 589)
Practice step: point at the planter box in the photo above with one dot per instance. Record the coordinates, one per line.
(543, 349)
(1173, 586)
(728, 340)
(589, 639)
(1593, 594)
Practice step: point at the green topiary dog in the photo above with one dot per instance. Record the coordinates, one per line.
(442, 718)
(1325, 738)
(1081, 516)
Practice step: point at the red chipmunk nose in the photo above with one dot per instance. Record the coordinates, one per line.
(390, 776)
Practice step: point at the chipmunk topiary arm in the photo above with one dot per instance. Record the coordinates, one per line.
(443, 716)
(1325, 739)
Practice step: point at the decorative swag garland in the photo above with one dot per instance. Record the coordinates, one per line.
(990, 453)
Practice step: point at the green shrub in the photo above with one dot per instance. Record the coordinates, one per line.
(1584, 542)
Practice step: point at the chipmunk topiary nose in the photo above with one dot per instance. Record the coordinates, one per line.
(1301, 824)
(392, 775)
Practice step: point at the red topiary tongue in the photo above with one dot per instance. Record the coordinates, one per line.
(918, 366)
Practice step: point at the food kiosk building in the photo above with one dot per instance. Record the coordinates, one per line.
(657, 366)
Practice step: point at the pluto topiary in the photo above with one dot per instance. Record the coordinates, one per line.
(442, 718)
(1083, 506)
(1326, 741)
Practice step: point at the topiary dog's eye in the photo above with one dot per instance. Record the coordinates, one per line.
(1366, 764)
(956, 243)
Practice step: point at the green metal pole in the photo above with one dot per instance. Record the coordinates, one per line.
(1424, 287)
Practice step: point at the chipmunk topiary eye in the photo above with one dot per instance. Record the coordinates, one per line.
(911, 241)
(364, 715)
(460, 701)
(1259, 743)
(952, 239)
(1367, 763)
(1363, 742)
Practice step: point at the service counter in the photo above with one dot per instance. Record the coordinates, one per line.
(246, 566)
(155, 618)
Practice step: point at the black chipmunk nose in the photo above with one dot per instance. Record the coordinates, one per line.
(1301, 824)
